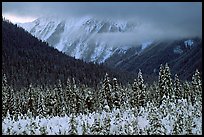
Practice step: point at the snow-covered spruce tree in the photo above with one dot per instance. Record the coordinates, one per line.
(41, 105)
(89, 103)
(156, 127)
(116, 94)
(181, 113)
(154, 93)
(48, 100)
(79, 99)
(161, 83)
(73, 125)
(96, 128)
(83, 95)
(165, 83)
(123, 104)
(30, 102)
(36, 92)
(84, 128)
(196, 87)
(53, 104)
(181, 117)
(107, 90)
(96, 100)
(168, 82)
(4, 95)
(177, 88)
(60, 98)
(10, 101)
(68, 91)
(115, 124)
(73, 100)
(106, 127)
(164, 106)
(142, 89)
(197, 102)
(189, 124)
(135, 95)
(135, 122)
(127, 96)
(178, 126)
(24, 106)
(16, 106)
(187, 91)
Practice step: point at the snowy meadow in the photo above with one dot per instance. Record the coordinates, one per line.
(181, 119)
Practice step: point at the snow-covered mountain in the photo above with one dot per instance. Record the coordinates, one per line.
(87, 38)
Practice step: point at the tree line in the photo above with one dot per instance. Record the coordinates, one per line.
(72, 98)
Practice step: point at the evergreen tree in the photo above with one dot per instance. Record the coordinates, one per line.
(5, 95)
(73, 98)
(107, 120)
(53, 104)
(84, 128)
(107, 90)
(178, 127)
(96, 129)
(30, 103)
(11, 101)
(187, 91)
(89, 103)
(165, 82)
(196, 88)
(161, 82)
(73, 125)
(142, 89)
(124, 100)
(168, 82)
(68, 91)
(154, 93)
(156, 127)
(59, 97)
(79, 103)
(135, 95)
(177, 88)
(116, 94)
(41, 105)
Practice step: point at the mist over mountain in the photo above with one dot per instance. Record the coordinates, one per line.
(184, 56)
(127, 45)
(95, 40)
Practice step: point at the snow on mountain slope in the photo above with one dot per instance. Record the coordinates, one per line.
(85, 38)
(188, 43)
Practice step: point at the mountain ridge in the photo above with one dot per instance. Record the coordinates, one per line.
(75, 36)
(26, 60)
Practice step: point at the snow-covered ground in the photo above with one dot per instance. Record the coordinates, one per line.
(117, 122)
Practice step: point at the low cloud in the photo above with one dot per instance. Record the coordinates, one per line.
(159, 20)
(144, 32)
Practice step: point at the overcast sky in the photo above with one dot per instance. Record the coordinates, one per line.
(184, 16)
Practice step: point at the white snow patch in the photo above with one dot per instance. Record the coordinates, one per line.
(146, 44)
(188, 43)
(178, 50)
(143, 122)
